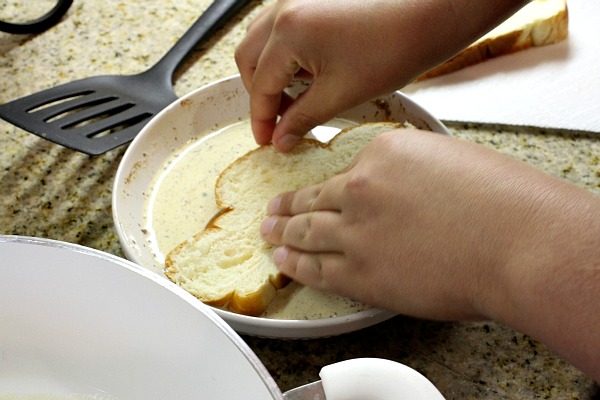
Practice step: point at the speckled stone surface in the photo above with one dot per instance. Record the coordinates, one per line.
(48, 191)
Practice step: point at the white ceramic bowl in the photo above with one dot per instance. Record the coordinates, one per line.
(204, 111)
(77, 323)
(74, 320)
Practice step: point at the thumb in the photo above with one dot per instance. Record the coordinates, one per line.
(315, 106)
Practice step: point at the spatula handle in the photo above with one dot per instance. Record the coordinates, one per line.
(215, 16)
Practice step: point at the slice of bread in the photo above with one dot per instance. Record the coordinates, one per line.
(539, 23)
(228, 264)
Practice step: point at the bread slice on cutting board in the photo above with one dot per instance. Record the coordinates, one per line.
(539, 23)
(228, 264)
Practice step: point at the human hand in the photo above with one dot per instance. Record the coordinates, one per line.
(424, 225)
(400, 229)
(348, 50)
(435, 227)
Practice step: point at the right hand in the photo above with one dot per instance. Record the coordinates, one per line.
(349, 49)
(352, 50)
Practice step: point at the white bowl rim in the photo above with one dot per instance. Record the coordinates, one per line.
(261, 371)
(265, 327)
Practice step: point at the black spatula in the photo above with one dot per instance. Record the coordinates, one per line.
(97, 114)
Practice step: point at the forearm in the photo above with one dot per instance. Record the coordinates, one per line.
(550, 287)
(448, 26)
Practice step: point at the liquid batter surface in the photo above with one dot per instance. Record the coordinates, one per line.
(182, 202)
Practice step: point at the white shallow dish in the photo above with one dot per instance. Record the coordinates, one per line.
(77, 323)
(203, 111)
(76, 320)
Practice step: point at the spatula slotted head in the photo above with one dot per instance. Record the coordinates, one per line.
(92, 115)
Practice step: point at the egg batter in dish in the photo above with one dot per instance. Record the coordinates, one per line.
(182, 202)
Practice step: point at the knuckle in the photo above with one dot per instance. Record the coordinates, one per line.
(305, 229)
(286, 202)
(305, 122)
(358, 183)
(290, 17)
(239, 54)
(297, 231)
(310, 198)
(394, 139)
(277, 231)
(311, 263)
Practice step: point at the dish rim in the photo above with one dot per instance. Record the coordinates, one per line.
(256, 326)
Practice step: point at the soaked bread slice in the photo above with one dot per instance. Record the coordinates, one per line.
(228, 264)
(539, 23)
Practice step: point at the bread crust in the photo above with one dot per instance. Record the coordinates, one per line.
(537, 33)
(228, 264)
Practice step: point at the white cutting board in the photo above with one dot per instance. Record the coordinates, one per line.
(555, 86)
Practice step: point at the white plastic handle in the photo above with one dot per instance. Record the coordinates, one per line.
(375, 379)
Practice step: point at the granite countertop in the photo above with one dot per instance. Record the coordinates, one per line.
(52, 192)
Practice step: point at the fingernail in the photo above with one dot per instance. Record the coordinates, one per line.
(267, 226)
(280, 254)
(273, 205)
(287, 142)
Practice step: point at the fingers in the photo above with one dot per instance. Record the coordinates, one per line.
(275, 70)
(297, 202)
(265, 102)
(249, 50)
(319, 231)
(318, 104)
(308, 227)
(267, 65)
(308, 219)
(324, 196)
(315, 270)
(268, 61)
